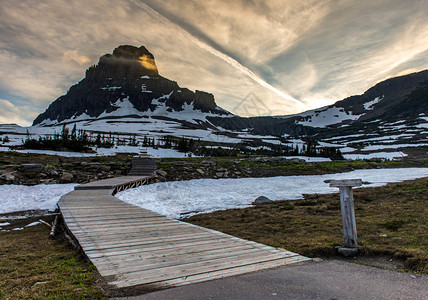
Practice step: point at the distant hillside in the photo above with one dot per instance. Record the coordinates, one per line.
(401, 99)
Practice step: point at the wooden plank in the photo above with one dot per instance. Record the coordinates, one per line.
(110, 209)
(121, 230)
(118, 217)
(348, 217)
(73, 200)
(91, 213)
(346, 182)
(190, 279)
(156, 263)
(172, 272)
(193, 253)
(137, 220)
(98, 206)
(166, 231)
(148, 238)
(157, 266)
(130, 242)
(125, 216)
(153, 247)
(170, 230)
(132, 258)
(128, 222)
(87, 213)
(158, 241)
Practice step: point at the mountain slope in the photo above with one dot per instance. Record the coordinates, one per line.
(387, 100)
(393, 100)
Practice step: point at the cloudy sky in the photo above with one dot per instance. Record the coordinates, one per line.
(258, 57)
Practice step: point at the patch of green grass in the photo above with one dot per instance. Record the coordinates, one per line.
(32, 266)
(391, 220)
(393, 225)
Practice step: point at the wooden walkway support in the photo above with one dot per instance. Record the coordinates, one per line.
(131, 246)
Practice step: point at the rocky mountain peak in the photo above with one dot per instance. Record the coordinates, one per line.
(129, 77)
(126, 62)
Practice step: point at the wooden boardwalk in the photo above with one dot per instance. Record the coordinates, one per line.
(131, 246)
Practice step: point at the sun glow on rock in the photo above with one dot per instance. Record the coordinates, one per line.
(147, 62)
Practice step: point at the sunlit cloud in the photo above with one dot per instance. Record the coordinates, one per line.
(72, 55)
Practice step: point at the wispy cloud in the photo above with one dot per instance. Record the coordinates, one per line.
(11, 114)
(311, 50)
(231, 61)
(255, 31)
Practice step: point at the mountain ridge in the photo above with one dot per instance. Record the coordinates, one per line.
(388, 99)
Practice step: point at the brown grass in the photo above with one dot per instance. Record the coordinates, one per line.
(391, 220)
(32, 266)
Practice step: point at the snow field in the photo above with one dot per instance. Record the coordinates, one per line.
(42, 196)
(185, 198)
(324, 117)
(383, 155)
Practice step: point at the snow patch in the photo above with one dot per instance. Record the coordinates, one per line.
(185, 198)
(370, 105)
(111, 88)
(32, 224)
(124, 108)
(328, 116)
(395, 146)
(83, 117)
(144, 89)
(42, 196)
(347, 149)
(384, 155)
(309, 159)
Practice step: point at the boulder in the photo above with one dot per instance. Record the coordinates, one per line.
(161, 173)
(66, 177)
(8, 176)
(262, 200)
(37, 168)
(347, 252)
(297, 161)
